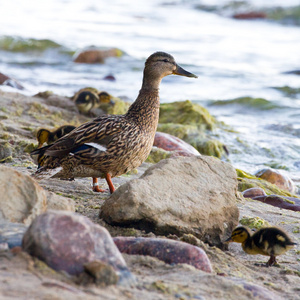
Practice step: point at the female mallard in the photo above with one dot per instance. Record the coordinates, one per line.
(112, 145)
(269, 241)
(46, 136)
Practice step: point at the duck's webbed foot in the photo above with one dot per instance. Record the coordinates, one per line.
(96, 186)
(272, 261)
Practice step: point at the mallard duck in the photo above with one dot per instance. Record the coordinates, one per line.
(269, 241)
(46, 136)
(112, 145)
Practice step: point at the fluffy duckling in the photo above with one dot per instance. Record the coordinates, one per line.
(112, 145)
(46, 136)
(269, 241)
(88, 98)
(85, 100)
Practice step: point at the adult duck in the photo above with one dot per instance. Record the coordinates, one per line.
(112, 145)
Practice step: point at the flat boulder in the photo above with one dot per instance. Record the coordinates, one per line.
(72, 243)
(179, 195)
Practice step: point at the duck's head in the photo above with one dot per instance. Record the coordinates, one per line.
(161, 64)
(105, 98)
(86, 100)
(239, 235)
(42, 136)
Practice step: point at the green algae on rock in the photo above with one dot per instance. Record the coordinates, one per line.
(17, 44)
(247, 181)
(254, 222)
(289, 91)
(119, 107)
(255, 103)
(191, 122)
(157, 154)
(186, 112)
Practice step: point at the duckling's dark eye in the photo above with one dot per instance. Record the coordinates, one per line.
(165, 60)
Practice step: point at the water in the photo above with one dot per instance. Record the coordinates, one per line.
(232, 58)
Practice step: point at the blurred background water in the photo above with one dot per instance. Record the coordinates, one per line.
(233, 58)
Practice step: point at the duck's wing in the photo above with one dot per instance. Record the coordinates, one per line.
(96, 133)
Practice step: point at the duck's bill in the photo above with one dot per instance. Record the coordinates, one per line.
(182, 72)
(228, 240)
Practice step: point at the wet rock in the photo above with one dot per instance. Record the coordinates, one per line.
(110, 78)
(250, 15)
(5, 80)
(172, 143)
(93, 55)
(253, 192)
(293, 72)
(22, 198)
(277, 178)
(290, 203)
(176, 196)
(169, 251)
(68, 241)
(247, 181)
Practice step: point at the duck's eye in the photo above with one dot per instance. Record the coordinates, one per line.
(165, 60)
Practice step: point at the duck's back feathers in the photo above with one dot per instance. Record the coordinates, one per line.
(272, 240)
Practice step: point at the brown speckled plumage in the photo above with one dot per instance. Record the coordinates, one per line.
(122, 142)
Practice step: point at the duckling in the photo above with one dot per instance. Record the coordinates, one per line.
(88, 98)
(269, 241)
(85, 100)
(112, 145)
(46, 136)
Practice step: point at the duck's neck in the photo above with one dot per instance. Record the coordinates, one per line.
(145, 109)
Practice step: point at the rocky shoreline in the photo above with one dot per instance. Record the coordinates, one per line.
(234, 274)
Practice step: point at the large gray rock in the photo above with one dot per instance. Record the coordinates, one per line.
(179, 195)
(22, 199)
(71, 242)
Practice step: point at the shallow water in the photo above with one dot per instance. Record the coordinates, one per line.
(233, 58)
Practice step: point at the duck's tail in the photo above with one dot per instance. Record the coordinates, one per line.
(43, 173)
(38, 155)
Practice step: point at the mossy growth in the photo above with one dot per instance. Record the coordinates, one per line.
(119, 107)
(17, 44)
(188, 113)
(289, 91)
(157, 154)
(6, 152)
(247, 181)
(260, 103)
(44, 95)
(254, 222)
(210, 147)
(181, 131)
(288, 15)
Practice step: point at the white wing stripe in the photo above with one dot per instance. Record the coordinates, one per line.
(97, 146)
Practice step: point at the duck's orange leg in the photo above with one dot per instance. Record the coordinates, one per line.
(96, 186)
(109, 182)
